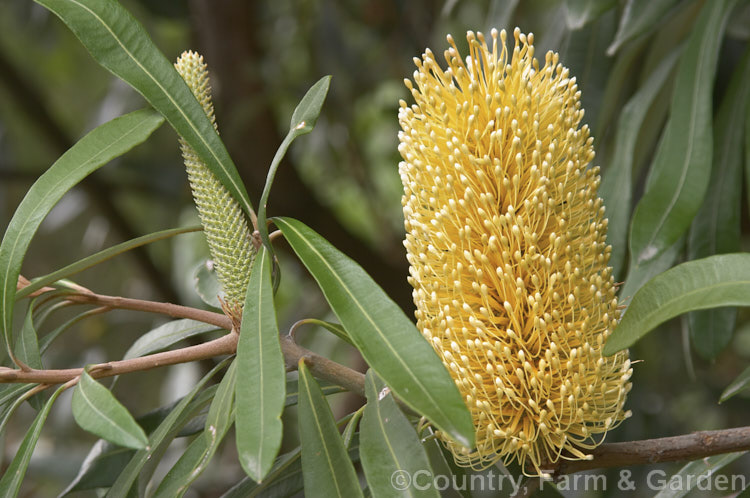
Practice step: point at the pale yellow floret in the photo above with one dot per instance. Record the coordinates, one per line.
(224, 223)
(506, 241)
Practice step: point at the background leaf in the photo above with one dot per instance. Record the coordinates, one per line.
(93, 151)
(101, 256)
(97, 411)
(326, 468)
(638, 16)
(722, 280)
(716, 227)
(388, 340)
(207, 284)
(260, 392)
(692, 474)
(167, 335)
(389, 444)
(158, 440)
(739, 384)
(120, 44)
(617, 184)
(11, 480)
(581, 12)
(680, 173)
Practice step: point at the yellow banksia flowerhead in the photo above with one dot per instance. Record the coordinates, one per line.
(506, 241)
(224, 222)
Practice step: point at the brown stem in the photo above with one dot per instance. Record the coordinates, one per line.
(320, 367)
(666, 449)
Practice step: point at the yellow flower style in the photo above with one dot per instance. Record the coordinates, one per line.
(506, 240)
(224, 223)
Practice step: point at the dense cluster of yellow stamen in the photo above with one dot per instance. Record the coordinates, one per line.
(506, 240)
(224, 223)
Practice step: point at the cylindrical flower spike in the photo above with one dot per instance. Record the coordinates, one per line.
(506, 241)
(224, 223)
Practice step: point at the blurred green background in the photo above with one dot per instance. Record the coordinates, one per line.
(342, 180)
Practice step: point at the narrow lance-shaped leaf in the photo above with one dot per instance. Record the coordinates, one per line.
(167, 335)
(97, 148)
(106, 461)
(722, 280)
(11, 480)
(616, 189)
(260, 392)
(27, 345)
(326, 467)
(741, 383)
(388, 340)
(637, 17)
(196, 458)
(697, 474)
(157, 441)
(303, 120)
(581, 12)
(389, 445)
(681, 172)
(101, 256)
(120, 44)
(716, 227)
(97, 411)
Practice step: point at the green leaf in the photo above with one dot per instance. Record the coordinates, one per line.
(304, 118)
(617, 181)
(306, 114)
(101, 467)
(581, 12)
(292, 390)
(120, 44)
(389, 445)
(167, 335)
(96, 149)
(639, 16)
(351, 427)
(159, 439)
(326, 467)
(97, 411)
(739, 384)
(27, 347)
(11, 480)
(207, 284)
(180, 476)
(712, 282)
(196, 458)
(388, 340)
(284, 479)
(260, 394)
(220, 414)
(716, 227)
(681, 171)
(333, 328)
(46, 341)
(105, 461)
(100, 257)
(696, 473)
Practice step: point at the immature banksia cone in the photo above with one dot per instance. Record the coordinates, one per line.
(505, 236)
(224, 222)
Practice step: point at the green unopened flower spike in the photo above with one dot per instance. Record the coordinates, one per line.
(224, 223)
(506, 241)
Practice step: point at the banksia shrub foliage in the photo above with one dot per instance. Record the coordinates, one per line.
(506, 239)
(224, 223)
